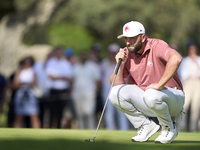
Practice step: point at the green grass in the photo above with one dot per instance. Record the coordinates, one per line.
(63, 139)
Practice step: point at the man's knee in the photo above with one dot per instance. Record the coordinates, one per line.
(114, 95)
(151, 98)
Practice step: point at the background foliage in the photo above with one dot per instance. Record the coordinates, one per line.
(80, 23)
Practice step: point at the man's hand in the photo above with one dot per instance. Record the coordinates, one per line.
(155, 86)
(119, 78)
(52, 77)
(121, 54)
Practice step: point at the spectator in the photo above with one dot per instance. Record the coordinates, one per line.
(43, 82)
(59, 71)
(95, 53)
(95, 57)
(69, 119)
(26, 103)
(42, 88)
(190, 77)
(114, 119)
(86, 83)
(11, 106)
(2, 92)
(69, 54)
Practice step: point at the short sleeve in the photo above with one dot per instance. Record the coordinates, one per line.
(162, 50)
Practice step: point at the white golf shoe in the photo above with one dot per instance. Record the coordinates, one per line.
(166, 135)
(145, 132)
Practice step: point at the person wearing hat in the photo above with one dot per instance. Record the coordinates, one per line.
(156, 90)
(69, 55)
(95, 53)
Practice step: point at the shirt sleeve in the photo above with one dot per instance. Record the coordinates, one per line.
(162, 50)
(68, 71)
(48, 68)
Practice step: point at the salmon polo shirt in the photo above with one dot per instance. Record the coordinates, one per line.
(149, 67)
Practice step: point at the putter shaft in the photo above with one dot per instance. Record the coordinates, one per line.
(116, 71)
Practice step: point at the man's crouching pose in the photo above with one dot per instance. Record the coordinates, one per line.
(155, 89)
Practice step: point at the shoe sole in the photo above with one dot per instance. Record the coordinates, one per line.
(149, 135)
(167, 142)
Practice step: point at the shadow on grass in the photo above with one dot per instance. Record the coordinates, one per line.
(189, 142)
(174, 142)
(61, 144)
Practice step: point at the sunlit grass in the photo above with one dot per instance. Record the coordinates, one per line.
(59, 139)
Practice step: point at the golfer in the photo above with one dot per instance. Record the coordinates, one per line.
(154, 88)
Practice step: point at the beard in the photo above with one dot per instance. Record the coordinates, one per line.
(136, 48)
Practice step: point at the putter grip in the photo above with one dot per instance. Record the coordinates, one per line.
(117, 68)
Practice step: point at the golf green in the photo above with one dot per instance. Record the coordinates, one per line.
(66, 139)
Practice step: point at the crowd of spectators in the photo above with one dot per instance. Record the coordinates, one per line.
(63, 91)
(69, 91)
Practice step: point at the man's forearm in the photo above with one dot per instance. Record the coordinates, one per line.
(171, 68)
(119, 78)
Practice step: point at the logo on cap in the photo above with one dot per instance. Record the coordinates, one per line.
(127, 28)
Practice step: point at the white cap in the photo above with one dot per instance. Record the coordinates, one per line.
(132, 29)
(113, 48)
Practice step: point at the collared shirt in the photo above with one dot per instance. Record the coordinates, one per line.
(149, 67)
(59, 68)
(43, 81)
(85, 77)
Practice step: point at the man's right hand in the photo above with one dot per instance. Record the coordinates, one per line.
(121, 54)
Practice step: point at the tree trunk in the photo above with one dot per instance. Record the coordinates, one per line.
(13, 27)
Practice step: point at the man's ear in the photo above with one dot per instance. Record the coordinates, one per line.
(143, 37)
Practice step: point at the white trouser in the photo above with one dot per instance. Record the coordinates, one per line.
(110, 117)
(138, 105)
(84, 104)
(192, 99)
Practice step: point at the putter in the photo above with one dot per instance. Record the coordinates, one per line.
(116, 71)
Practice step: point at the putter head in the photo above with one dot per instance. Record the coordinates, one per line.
(89, 140)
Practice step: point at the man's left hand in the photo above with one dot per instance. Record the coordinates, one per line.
(156, 86)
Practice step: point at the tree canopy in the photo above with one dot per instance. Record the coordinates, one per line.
(80, 23)
(173, 21)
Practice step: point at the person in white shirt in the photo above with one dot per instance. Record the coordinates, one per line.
(26, 103)
(114, 119)
(190, 77)
(59, 71)
(86, 83)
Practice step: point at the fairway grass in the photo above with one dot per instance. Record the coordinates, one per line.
(66, 139)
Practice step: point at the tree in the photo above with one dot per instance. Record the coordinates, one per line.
(14, 26)
(173, 21)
